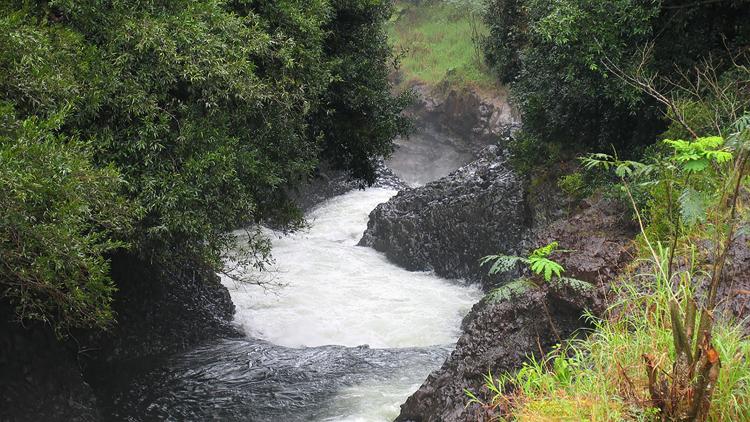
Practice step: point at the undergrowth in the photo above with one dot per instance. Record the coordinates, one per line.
(663, 350)
(602, 377)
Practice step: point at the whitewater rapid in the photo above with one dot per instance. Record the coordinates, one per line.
(303, 357)
(336, 293)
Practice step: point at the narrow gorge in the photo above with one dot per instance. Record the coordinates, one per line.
(374, 210)
(335, 330)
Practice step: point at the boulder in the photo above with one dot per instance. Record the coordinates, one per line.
(163, 308)
(498, 336)
(447, 225)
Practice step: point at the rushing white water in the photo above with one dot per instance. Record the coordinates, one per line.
(338, 293)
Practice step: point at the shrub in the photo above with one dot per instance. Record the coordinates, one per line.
(572, 184)
(59, 217)
(542, 267)
(562, 60)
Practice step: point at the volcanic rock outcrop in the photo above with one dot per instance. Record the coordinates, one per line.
(446, 226)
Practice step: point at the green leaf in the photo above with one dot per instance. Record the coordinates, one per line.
(508, 290)
(575, 283)
(693, 206)
(695, 166)
(501, 263)
(545, 267)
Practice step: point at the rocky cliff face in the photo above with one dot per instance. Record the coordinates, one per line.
(465, 112)
(446, 226)
(327, 183)
(453, 126)
(498, 336)
(163, 308)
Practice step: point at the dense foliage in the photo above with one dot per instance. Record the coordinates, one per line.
(60, 215)
(356, 119)
(666, 349)
(562, 60)
(164, 125)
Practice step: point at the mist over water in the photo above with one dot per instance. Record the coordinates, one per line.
(429, 155)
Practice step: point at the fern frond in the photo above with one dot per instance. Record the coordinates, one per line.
(719, 156)
(575, 283)
(508, 290)
(710, 142)
(742, 124)
(697, 155)
(598, 160)
(546, 267)
(693, 206)
(502, 263)
(544, 251)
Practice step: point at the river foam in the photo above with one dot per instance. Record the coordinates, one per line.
(335, 292)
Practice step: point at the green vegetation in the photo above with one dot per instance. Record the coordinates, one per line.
(165, 125)
(572, 184)
(539, 263)
(582, 72)
(60, 216)
(438, 42)
(616, 75)
(603, 377)
(622, 370)
(703, 183)
(663, 350)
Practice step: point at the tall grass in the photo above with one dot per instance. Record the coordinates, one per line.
(438, 42)
(603, 378)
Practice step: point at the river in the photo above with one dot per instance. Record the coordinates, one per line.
(347, 335)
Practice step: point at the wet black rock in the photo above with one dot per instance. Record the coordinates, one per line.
(327, 183)
(163, 308)
(465, 112)
(449, 224)
(498, 336)
(40, 379)
(160, 308)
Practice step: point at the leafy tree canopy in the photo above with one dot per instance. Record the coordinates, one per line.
(190, 117)
(563, 59)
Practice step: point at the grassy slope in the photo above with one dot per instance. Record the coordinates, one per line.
(603, 377)
(437, 42)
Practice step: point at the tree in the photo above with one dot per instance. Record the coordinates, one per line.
(208, 111)
(555, 56)
(59, 217)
